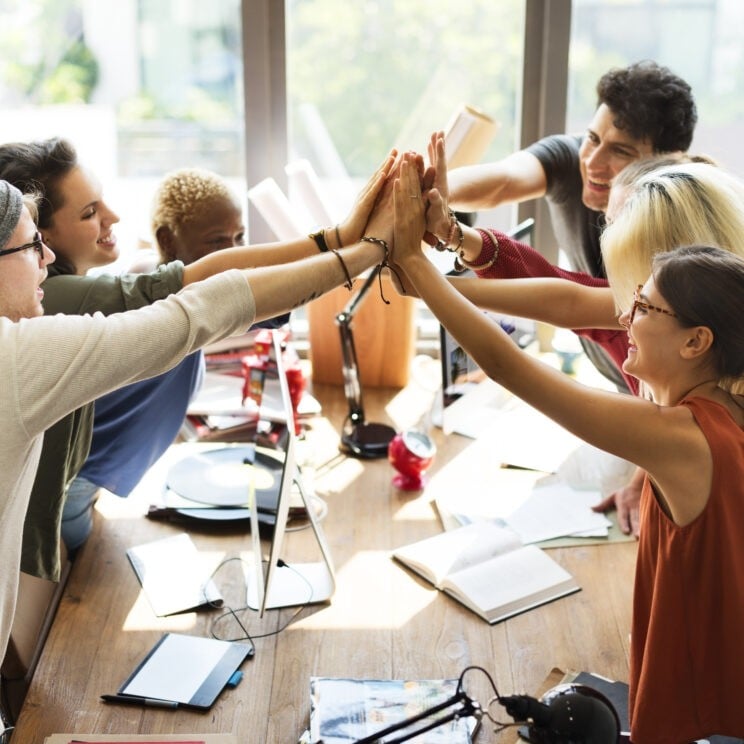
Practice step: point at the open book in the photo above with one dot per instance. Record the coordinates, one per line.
(485, 566)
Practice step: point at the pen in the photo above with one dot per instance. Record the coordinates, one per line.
(136, 700)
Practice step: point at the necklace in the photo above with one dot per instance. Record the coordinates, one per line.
(700, 384)
(735, 398)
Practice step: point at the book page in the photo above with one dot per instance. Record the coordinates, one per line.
(554, 510)
(510, 583)
(436, 557)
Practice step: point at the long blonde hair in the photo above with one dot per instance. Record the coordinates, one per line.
(671, 206)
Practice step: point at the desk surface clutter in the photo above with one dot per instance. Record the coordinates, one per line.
(383, 621)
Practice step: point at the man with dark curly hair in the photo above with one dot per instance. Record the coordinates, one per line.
(642, 110)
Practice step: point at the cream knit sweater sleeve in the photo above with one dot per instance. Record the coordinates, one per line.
(63, 361)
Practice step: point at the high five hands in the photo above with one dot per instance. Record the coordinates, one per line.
(410, 209)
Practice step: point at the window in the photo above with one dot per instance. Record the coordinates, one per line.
(139, 86)
(364, 77)
(700, 40)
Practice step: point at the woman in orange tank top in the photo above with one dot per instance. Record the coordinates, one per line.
(686, 344)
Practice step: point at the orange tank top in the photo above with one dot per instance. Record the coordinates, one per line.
(687, 641)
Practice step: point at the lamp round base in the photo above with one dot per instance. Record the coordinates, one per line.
(409, 482)
(367, 440)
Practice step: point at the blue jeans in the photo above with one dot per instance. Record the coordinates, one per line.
(77, 513)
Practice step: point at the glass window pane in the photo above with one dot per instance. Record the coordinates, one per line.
(700, 40)
(139, 86)
(364, 77)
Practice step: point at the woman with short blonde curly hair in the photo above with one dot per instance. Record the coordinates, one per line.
(194, 213)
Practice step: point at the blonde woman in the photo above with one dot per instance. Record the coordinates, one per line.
(653, 209)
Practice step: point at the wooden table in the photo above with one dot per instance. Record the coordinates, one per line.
(382, 621)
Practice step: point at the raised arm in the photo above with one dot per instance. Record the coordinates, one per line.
(507, 259)
(516, 178)
(269, 254)
(279, 289)
(663, 437)
(560, 302)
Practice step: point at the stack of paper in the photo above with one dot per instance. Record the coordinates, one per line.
(539, 505)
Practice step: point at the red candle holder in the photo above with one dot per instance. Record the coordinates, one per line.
(411, 453)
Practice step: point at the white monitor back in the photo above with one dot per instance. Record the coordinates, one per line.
(285, 584)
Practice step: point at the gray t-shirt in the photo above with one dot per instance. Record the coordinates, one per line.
(577, 228)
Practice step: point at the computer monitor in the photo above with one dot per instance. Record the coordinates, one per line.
(283, 583)
(459, 371)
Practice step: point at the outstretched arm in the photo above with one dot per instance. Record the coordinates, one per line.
(269, 254)
(559, 302)
(516, 178)
(279, 289)
(666, 442)
(508, 259)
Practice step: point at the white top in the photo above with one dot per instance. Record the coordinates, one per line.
(50, 366)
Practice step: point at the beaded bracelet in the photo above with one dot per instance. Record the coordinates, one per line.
(446, 245)
(461, 264)
(460, 238)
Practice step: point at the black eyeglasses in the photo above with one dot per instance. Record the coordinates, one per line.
(36, 244)
(638, 302)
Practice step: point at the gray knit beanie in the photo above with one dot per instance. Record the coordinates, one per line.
(11, 204)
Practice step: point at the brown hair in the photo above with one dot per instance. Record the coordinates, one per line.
(704, 285)
(650, 102)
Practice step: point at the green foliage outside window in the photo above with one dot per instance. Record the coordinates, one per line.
(389, 72)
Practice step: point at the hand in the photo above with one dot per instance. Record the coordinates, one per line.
(626, 501)
(410, 219)
(352, 228)
(380, 224)
(436, 191)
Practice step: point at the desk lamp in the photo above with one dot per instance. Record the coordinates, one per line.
(359, 437)
(567, 714)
